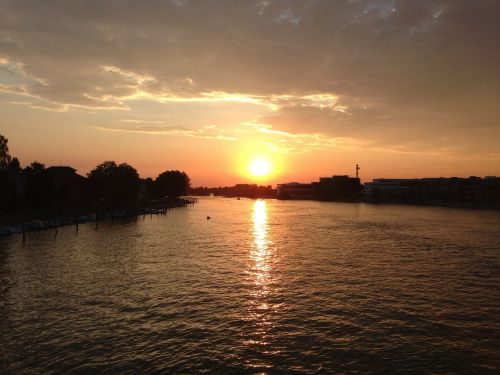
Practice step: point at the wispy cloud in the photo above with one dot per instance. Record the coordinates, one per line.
(208, 132)
(370, 71)
(288, 17)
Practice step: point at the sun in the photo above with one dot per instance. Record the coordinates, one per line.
(254, 162)
(260, 167)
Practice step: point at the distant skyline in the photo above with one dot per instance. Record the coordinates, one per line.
(254, 91)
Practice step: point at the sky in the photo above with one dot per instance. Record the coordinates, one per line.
(407, 88)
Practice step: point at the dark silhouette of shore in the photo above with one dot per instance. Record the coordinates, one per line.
(252, 191)
(36, 197)
(470, 192)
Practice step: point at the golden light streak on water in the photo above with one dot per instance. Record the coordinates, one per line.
(260, 312)
(260, 246)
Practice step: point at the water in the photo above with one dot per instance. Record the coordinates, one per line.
(263, 286)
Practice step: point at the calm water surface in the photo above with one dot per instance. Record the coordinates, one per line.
(264, 286)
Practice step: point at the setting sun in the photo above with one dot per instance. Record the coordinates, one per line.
(254, 163)
(260, 167)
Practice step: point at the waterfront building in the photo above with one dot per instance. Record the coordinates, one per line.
(68, 186)
(335, 188)
(454, 191)
(338, 188)
(295, 190)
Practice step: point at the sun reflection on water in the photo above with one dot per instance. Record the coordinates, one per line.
(260, 248)
(260, 270)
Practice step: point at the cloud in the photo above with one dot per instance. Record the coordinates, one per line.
(402, 74)
(288, 17)
(142, 122)
(207, 132)
(293, 142)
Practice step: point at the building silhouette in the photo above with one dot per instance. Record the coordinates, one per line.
(68, 187)
(336, 188)
(460, 192)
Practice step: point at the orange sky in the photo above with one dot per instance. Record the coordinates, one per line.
(405, 89)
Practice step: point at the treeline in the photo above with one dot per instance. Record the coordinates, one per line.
(108, 186)
(239, 190)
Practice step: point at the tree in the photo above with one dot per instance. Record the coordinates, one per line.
(15, 166)
(172, 184)
(10, 170)
(149, 189)
(4, 153)
(114, 186)
(38, 193)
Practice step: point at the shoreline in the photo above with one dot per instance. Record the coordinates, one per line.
(16, 223)
(413, 204)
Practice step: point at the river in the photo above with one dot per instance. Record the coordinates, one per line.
(262, 286)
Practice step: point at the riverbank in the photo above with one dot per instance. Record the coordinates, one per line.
(19, 223)
(467, 206)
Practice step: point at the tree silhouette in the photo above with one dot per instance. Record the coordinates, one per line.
(15, 165)
(172, 184)
(10, 172)
(149, 189)
(113, 186)
(4, 153)
(38, 192)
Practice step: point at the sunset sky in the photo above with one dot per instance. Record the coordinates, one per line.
(404, 88)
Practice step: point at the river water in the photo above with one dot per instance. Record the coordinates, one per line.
(263, 286)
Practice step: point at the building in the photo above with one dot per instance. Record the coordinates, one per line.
(295, 190)
(335, 188)
(461, 192)
(68, 186)
(339, 188)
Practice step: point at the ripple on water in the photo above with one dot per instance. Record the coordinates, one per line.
(265, 286)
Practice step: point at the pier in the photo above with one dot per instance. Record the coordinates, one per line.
(157, 207)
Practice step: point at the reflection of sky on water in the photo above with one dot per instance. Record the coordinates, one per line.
(263, 287)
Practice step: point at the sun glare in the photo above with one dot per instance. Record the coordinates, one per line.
(260, 167)
(254, 162)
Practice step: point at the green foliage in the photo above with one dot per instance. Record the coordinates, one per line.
(113, 186)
